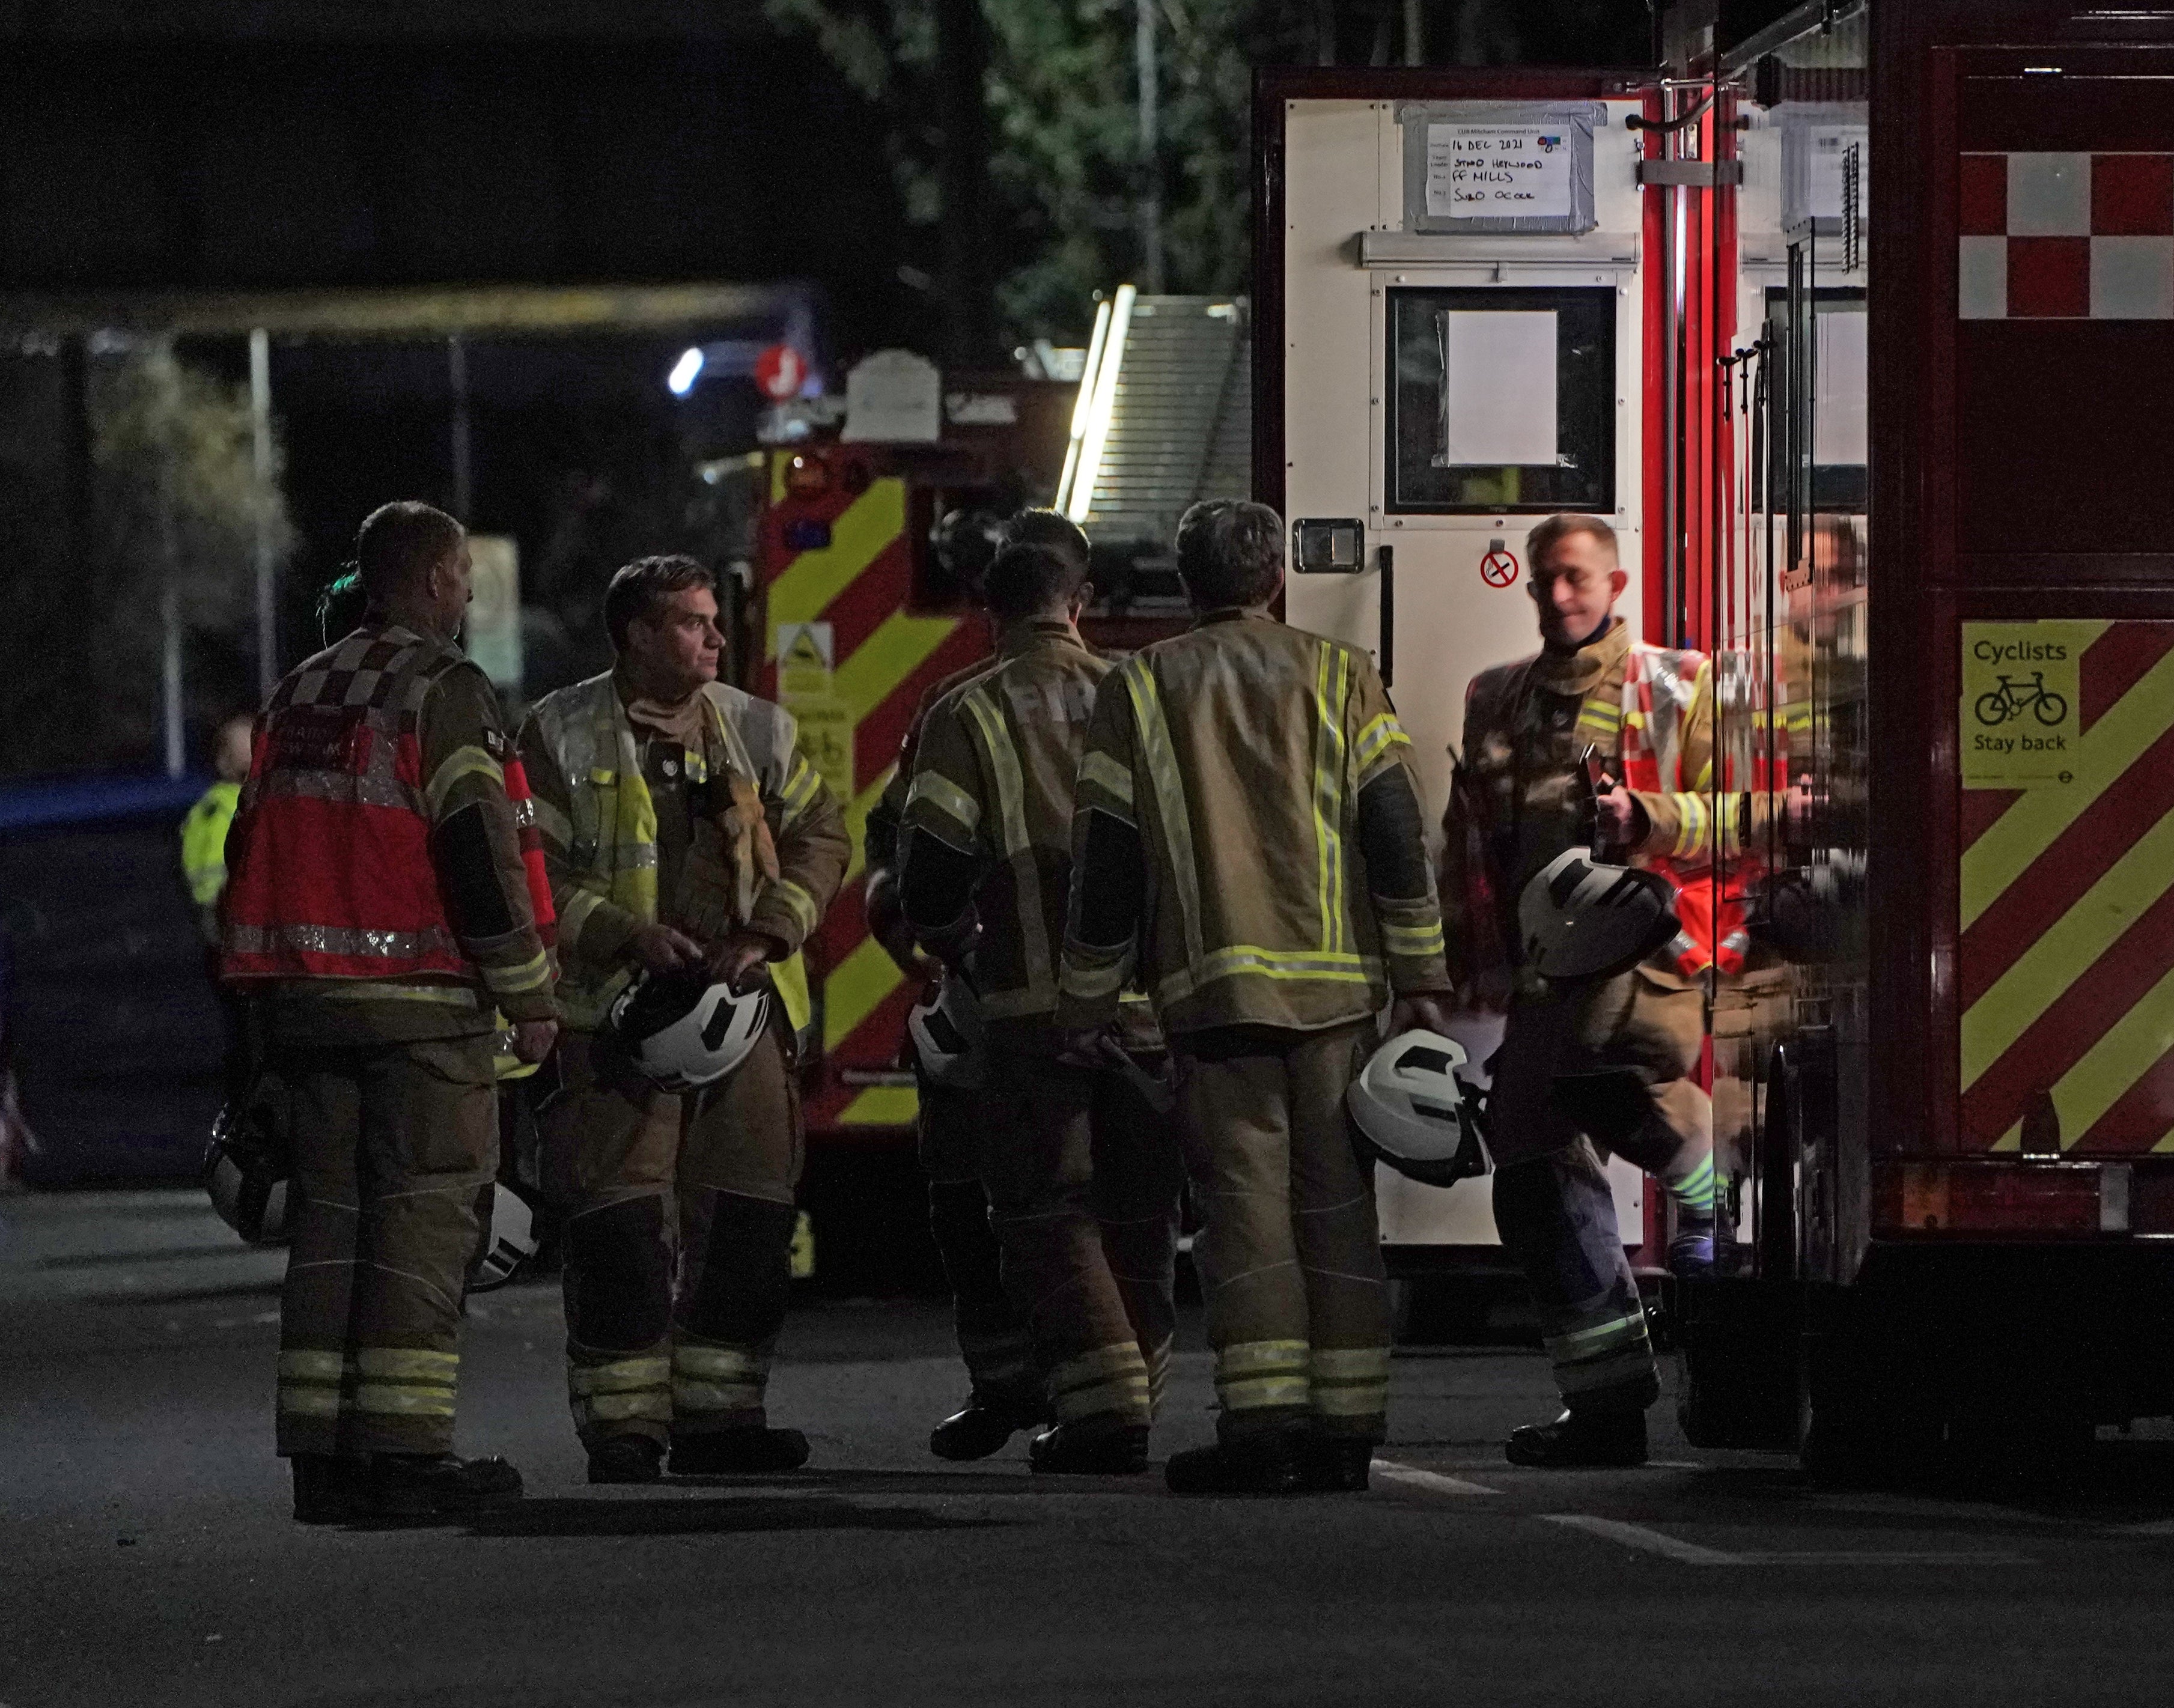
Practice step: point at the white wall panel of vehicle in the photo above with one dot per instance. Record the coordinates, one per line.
(1342, 161)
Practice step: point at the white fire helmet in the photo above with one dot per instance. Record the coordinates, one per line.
(1412, 1112)
(947, 1035)
(246, 1170)
(682, 1031)
(508, 1242)
(1582, 918)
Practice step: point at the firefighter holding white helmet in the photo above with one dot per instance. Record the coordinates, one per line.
(380, 904)
(1605, 1060)
(689, 842)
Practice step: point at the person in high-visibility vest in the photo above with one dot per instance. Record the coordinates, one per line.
(386, 904)
(203, 832)
(1247, 848)
(683, 828)
(1082, 1171)
(204, 869)
(1611, 1062)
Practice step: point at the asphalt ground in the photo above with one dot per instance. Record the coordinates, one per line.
(149, 1557)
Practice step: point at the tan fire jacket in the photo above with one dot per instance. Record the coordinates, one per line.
(993, 782)
(1518, 801)
(1222, 853)
(764, 841)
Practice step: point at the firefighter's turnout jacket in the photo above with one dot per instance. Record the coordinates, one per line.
(757, 841)
(679, 1210)
(1247, 848)
(1236, 755)
(992, 783)
(1516, 803)
(380, 901)
(1082, 1181)
(879, 836)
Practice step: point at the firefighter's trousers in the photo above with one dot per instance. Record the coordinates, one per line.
(1289, 1253)
(1085, 1178)
(678, 1238)
(1600, 1067)
(394, 1146)
(951, 1127)
(1556, 1214)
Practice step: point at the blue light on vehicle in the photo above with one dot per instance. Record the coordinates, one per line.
(684, 372)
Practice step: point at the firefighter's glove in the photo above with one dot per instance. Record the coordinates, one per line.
(954, 944)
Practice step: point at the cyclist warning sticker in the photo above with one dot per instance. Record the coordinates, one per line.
(2021, 695)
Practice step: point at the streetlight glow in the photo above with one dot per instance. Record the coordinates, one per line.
(684, 372)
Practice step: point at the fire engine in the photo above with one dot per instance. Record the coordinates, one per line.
(1856, 321)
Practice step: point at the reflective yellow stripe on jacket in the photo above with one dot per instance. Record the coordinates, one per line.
(1016, 848)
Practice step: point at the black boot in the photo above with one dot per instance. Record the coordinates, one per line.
(330, 1489)
(983, 1425)
(1268, 1464)
(1090, 1450)
(1337, 1465)
(1615, 1436)
(431, 1485)
(743, 1449)
(626, 1459)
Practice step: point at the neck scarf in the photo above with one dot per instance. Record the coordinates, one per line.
(681, 721)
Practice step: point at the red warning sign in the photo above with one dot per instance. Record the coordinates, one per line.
(1498, 568)
(780, 371)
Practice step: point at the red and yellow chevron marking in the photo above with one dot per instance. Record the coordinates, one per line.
(2065, 966)
(885, 658)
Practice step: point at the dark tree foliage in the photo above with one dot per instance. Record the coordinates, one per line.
(1058, 218)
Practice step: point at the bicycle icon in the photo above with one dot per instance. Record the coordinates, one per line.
(1995, 706)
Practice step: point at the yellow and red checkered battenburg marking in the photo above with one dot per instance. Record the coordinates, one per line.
(841, 557)
(2065, 961)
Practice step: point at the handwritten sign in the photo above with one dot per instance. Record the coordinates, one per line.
(1499, 172)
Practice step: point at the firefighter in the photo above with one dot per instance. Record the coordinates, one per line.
(683, 829)
(1004, 1395)
(380, 908)
(1248, 849)
(1079, 1169)
(1611, 1061)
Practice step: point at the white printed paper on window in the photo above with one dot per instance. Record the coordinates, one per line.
(1499, 172)
(1841, 406)
(1498, 390)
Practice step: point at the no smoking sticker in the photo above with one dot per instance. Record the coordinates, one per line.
(1498, 568)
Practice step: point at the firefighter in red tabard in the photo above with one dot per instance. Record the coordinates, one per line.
(386, 896)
